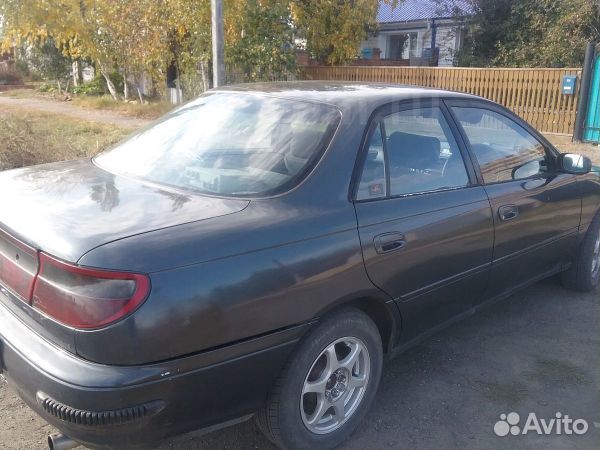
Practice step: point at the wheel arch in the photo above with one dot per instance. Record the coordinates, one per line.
(384, 313)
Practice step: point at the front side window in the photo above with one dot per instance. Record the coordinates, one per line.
(505, 150)
(422, 153)
(234, 145)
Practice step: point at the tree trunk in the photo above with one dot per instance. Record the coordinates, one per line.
(59, 88)
(76, 73)
(125, 87)
(205, 75)
(111, 87)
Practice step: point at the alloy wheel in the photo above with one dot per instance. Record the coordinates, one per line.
(596, 259)
(335, 385)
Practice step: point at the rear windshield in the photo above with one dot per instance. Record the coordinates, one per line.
(235, 145)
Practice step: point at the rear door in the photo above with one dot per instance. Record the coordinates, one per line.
(425, 226)
(537, 210)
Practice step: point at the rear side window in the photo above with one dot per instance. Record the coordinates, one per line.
(505, 150)
(422, 155)
(372, 182)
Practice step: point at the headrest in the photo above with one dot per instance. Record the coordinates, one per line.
(413, 150)
(281, 136)
(472, 116)
(304, 142)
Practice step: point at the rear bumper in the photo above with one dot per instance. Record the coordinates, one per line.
(116, 406)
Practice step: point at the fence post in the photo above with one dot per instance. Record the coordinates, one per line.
(584, 92)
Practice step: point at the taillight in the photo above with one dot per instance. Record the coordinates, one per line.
(86, 298)
(18, 265)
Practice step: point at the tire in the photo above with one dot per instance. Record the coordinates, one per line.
(288, 417)
(584, 274)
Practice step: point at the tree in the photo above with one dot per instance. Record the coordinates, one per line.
(260, 38)
(147, 37)
(549, 33)
(49, 62)
(485, 29)
(518, 33)
(334, 29)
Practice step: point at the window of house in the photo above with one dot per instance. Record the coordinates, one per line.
(411, 45)
(505, 150)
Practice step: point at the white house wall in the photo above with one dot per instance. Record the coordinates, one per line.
(447, 38)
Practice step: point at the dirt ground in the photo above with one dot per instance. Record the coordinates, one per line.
(535, 352)
(68, 109)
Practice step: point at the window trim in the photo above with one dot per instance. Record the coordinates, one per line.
(376, 119)
(509, 115)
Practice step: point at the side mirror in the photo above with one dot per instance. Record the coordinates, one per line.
(527, 170)
(574, 164)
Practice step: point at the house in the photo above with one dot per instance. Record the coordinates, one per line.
(422, 32)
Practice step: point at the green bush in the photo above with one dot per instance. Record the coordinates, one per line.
(98, 87)
(95, 87)
(48, 87)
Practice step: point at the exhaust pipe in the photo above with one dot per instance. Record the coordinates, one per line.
(61, 442)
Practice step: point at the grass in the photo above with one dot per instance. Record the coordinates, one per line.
(21, 93)
(28, 138)
(151, 110)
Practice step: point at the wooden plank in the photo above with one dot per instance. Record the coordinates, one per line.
(534, 94)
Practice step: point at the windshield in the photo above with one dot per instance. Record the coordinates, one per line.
(229, 144)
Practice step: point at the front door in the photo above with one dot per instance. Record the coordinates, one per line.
(426, 228)
(537, 210)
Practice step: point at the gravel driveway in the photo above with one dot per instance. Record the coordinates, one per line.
(535, 352)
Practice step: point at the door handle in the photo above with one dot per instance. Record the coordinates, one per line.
(508, 212)
(388, 242)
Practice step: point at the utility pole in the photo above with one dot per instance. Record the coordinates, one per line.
(218, 52)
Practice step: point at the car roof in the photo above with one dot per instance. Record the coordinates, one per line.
(344, 94)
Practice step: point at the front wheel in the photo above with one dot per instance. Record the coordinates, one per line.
(584, 274)
(328, 386)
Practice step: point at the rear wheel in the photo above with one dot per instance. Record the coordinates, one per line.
(584, 275)
(328, 386)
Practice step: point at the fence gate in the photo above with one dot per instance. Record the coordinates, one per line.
(592, 121)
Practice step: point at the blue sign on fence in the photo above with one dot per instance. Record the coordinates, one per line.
(568, 84)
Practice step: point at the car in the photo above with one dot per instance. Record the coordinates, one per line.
(261, 250)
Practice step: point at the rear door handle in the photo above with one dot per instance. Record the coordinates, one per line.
(388, 242)
(508, 212)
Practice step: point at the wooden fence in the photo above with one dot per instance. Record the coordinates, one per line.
(534, 94)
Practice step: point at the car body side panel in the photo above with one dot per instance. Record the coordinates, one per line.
(590, 187)
(212, 304)
(443, 267)
(542, 239)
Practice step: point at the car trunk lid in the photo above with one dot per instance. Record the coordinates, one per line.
(66, 209)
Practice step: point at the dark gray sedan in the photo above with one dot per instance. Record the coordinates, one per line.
(259, 251)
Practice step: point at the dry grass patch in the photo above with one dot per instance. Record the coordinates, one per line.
(36, 138)
(151, 110)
